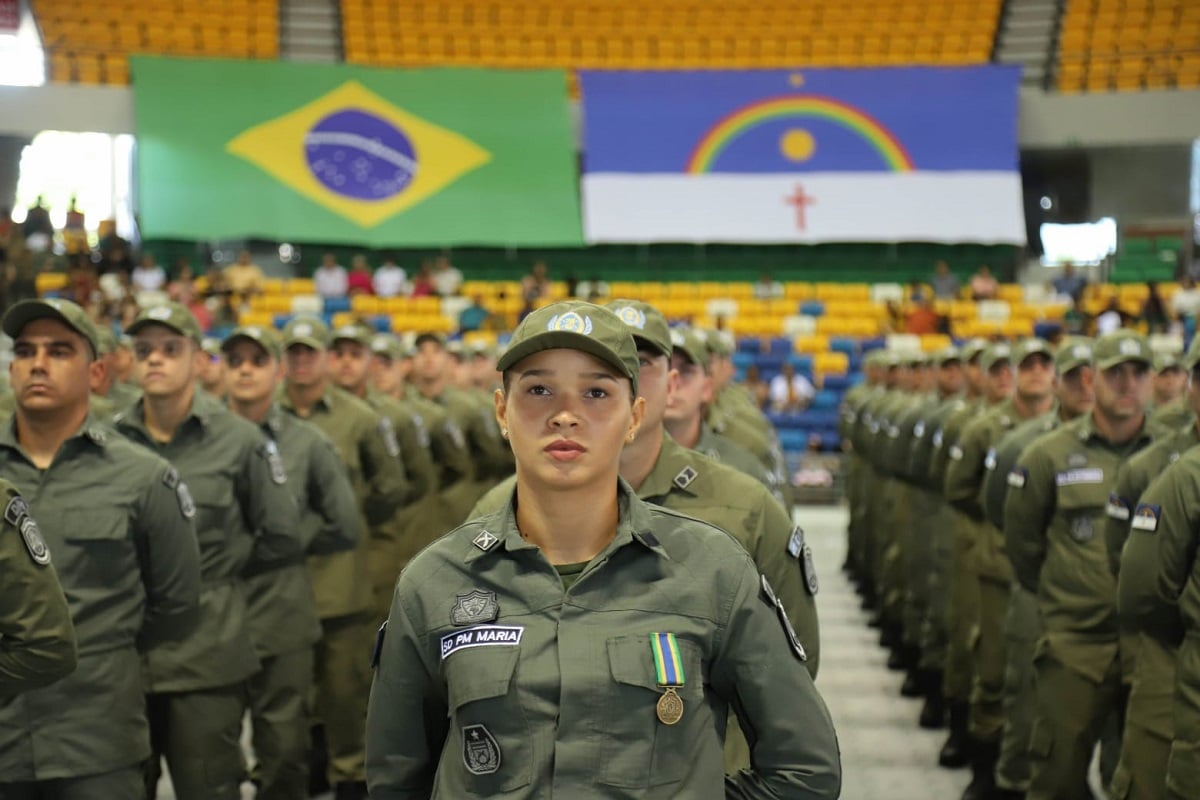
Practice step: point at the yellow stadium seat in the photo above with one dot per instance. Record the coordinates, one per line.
(831, 363)
(301, 286)
(260, 318)
(932, 342)
(810, 344)
(50, 282)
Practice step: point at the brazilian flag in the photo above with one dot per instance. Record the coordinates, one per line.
(355, 155)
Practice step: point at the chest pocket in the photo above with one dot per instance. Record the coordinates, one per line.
(213, 496)
(1081, 503)
(641, 751)
(97, 549)
(489, 741)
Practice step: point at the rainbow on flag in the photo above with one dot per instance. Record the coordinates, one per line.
(920, 153)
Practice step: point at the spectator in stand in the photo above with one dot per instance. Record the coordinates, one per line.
(148, 276)
(447, 279)
(331, 278)
(38, 229)
(359, 279)
(423, 284)
(1069, 283)
(535, 285)
(767, 288)
(390, 280)
(474, 317)
(82, 281)
(759, 391)
(183, 288)
(790, 391)
(1154, 310)
(983, 284)
(75, 231)
(1185, 303)
(244, 277)
(944, 282)
(1111, 319)
(115, 258)
(921, 318)
(594, 291)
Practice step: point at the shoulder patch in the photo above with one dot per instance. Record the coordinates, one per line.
(377, 650)
(956, 453)
(1146, 518)
(270, 451)
(989, 461)
(170, 478)
(422, 433)
(770, 598)
(1017, 477)
(685, 477)
(1117, 508)
(938, 436)
(795, 544)
(16, 509)
(187, 506)
(810, 571)
(456, 435)
(388, 434)
(34, 542)
(919, 429)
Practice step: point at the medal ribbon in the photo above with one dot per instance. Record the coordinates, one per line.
(668, 664)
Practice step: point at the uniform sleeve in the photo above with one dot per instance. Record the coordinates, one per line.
(492, 451)
(1028, 509)
(451, 451)
(170, 559)
(995, 485)
(37, 639)
(1150, 559)
(786, 559)
(793, 746)
(406, 718)
(418, 460)
(384, 472)
(268, 508)
(964, 471)
(331, 522)
(1117, 513)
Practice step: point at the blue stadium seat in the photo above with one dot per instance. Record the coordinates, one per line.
(382, 323)
(221, 332)
(281, 320)
(830, 440)
(793, 440)
(803, 363)
(878, 343)
(748, 344)
(335, 305)
(827, 399)
(769, 363)
(812, 308)
(840, 383)
(780, 344)
(783, 422)
(817, 418)
(742, 360)
(844, 345)
(855, 364)
(1043, 330)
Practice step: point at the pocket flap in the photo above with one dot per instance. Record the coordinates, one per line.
(479, 673)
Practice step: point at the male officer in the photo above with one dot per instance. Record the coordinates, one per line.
(856, 483)
(986, 563)
(118, 522)
(664, 473)
(246, 523)
(341, 581)
(1170, 380)
(37, 639)
(1055, 504)
(394, 542)
(1147, 667)
(1023, 625)
(1157, 598)
(212, 369)
(281, 607)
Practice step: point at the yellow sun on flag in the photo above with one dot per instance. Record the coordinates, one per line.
(358, 155)
(797, 145)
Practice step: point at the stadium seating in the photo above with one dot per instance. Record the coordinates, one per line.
(89, 42)
(1129, 45)
(675, 34)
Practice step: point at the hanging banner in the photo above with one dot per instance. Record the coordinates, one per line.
(820, 155)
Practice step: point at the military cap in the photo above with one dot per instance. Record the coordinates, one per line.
(308, 331)
(944, 356)
(352, 332)
(266, 338)
(64, 311)
(170, 315)
(875, 358)
(106, 340)
(692, 345)
(915, 358)
(645, 322)
(1028, 347)
(1166, 361)
(1074, 351)
(429, 336)
(1113, 349)
(455, 348)
(211, 345)
(1192, 357)
(387, 346)
(477, 348)
(1001, 351)
(575, 325)
(719, 343)
(973, 349)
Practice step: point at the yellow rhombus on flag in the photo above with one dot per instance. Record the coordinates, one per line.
(387, 162)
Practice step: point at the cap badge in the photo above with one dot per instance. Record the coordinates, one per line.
(677, 338)
(570, 322)
(303, 329)
(159, 313)
(1130, 347)
(1082, 351)
(632, 317)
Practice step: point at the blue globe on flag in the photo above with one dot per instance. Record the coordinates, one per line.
(360, 155)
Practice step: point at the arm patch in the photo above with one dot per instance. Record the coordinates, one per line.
(270, 451)
(388, 433)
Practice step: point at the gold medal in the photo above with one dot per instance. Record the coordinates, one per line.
(670, 707)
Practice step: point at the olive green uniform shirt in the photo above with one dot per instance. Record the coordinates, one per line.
(725, 450)
(1003, 457)
(246, 523)
(494, 679)
(341, 581)
(37, 638)
(927, 438)
(118, 522)
(1174, 414)
(1054, 517)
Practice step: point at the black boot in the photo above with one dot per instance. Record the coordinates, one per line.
(890, 637)
(911, 687)
(984, 756)
(933, 713)
(318, 762)
(956, 752)
(1007, 794)
(350, 790)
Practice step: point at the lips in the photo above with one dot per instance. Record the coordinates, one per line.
(565, 450)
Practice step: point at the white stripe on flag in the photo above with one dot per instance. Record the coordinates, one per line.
(847, 207)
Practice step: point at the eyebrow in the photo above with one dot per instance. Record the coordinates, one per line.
(47, 342)
(542, 373)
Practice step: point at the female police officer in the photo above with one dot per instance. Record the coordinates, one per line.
(580, 643)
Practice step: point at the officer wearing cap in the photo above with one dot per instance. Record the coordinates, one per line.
(118, 521)
(212, 369)
(666, 474)
(1157, 600)
(468, 650)
(341, 581)
(37, 639)
(685, 418)
(852, 403)
(246, 523)
(280, 603)
(1147, 668)
(1053, 517)
(491, 457)
(395, 541)
(1022, 625)
(1170, 380)
(119, 394)
(441, 510)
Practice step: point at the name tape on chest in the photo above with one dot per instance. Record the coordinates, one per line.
(1073, 477)
(481, 636)
(1146, 518)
